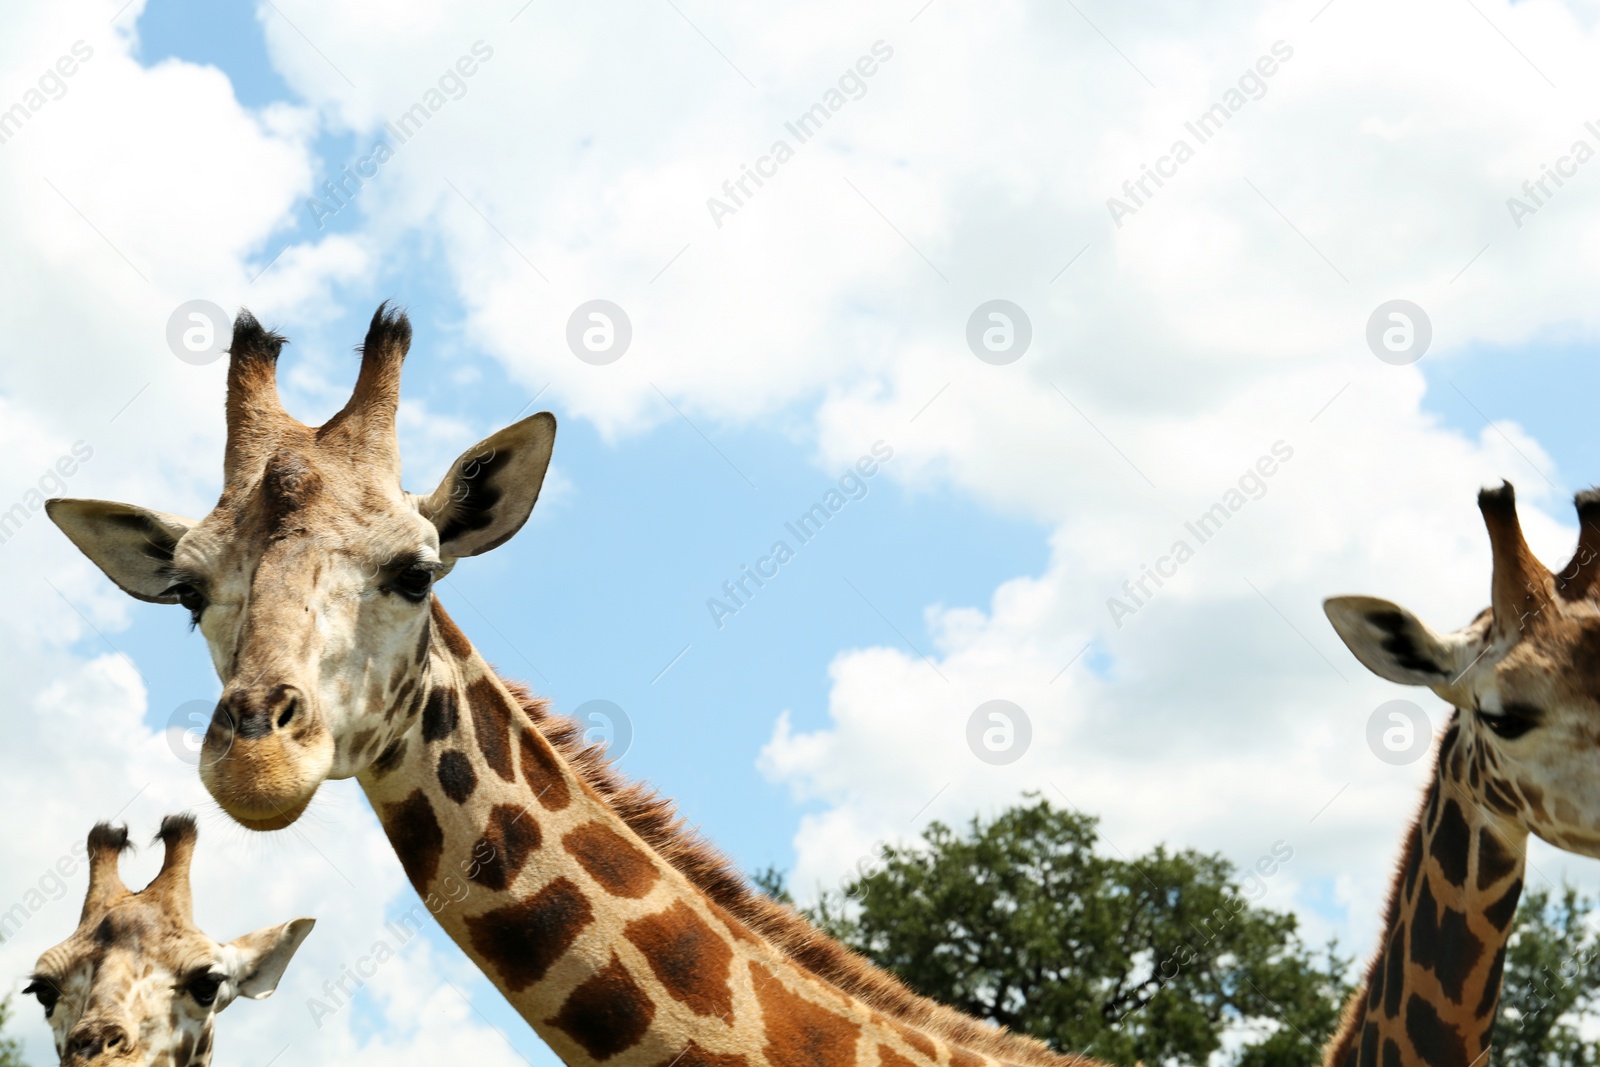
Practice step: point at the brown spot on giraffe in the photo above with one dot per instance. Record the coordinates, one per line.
(424, 641)
(390, 757)
(1500, 912)
(690, 959)
(450, 633)
(608, 1013)
(620, 868)
(1495, 860)
(1535, 798)
(401, 699)
(414, 831)
(888, 1057)
(542, 772)
(800, 1033)
(1436, 1041)
(439, 714)
(521, 940)
(918, 1040)
(509, 838)
(1369, 1043)
(456, 776)
(1451, 840)
(491, 722)
(695, 1056)
(1491, 988)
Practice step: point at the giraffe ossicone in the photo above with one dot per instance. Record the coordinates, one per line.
(1517, 758)
(138, 984)
(618, 934)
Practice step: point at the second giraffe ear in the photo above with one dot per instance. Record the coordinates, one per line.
(491, 489)
(255, 962)
(1394, 644)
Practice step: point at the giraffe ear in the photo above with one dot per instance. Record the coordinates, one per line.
(491, 489)
(256, 961)
(1394, 644)
(132, 545)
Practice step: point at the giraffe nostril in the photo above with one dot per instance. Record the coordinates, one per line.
(287, 715)
(88, 1045)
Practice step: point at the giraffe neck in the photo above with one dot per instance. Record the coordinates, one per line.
(611, 946)
(1431, 993)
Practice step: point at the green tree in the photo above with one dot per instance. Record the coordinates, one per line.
(10, 1048)
(1023, 922)
(1552, 978)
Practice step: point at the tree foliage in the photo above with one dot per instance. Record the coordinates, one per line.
(10, 1048)
(1552, 977)
(1022, 921)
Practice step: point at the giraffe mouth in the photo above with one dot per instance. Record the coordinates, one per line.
(276, 821)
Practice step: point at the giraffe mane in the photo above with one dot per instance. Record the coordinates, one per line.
(657, 822)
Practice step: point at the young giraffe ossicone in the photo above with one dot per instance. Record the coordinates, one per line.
(1517, 757)
(619, 935)
(138, 984)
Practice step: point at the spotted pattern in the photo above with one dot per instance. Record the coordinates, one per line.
(414, 832)
(611, 859)
(440, 714)
(509, 838)
(689, 958)
(608, 1013)
(542, 771)
(491, 723)
(800, 1033)
(456, 776)
(450, 633)
(521, 940)
(695, 1056)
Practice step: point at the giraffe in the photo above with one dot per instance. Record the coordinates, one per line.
(619, 935)
(137, 983)
(1517, 758)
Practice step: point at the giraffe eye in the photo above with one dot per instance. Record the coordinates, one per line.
(413, 583)
(1514, 721)
(46, 992)
(203, 987)
(191, 598)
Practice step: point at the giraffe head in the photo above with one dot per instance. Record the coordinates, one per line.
(311, 577)
(137, 984)
(1524, 676)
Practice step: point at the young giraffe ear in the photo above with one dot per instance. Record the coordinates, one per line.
(1394, 644)
(491, 488)
(256, 961)
(132, 545)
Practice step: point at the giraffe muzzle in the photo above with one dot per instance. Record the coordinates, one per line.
(265, 754)
(97, 1043)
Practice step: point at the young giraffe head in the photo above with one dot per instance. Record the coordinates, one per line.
(137, 984)
(311, 577)
(1524, 674)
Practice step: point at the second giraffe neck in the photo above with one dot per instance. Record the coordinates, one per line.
(1431, 994)
(594, 935)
